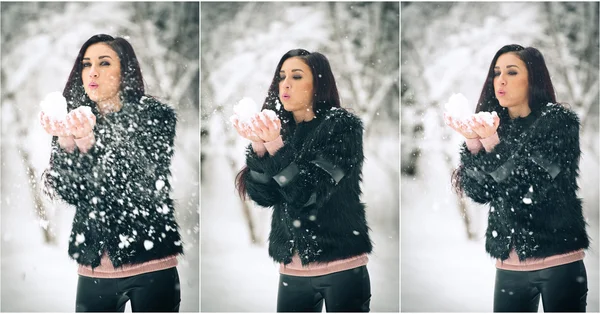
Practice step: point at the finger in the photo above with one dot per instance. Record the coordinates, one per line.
(271, 125)
(496, 119)
(259, 123)
(450, 121)
(43, 120)
(278, 124)
(445, 117)
(75, 117)
(255, 130)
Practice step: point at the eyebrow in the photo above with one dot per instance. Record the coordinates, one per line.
(101, 57)
(508, 66)
(294, 70)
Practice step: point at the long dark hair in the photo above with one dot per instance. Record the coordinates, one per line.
(132, 83)
(541, 90)
(131, 88)
(325, 96)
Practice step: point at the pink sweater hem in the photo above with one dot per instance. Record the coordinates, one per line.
(513, 263)
(295, 268)
(107, 270)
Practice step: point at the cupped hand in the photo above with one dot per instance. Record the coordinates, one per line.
(244, 130)
(460, 127)
(268, 130)
(80, 123)
(54, 127)
(481, 127)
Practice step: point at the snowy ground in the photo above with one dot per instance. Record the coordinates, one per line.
(240, 277)
(36, 277)
(444, 272)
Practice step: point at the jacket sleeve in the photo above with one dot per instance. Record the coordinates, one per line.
(69, 175)
(475, 183)
(261, 188)
(302, 182)
(525, 176)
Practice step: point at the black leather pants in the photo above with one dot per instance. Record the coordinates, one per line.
(562, 288)
(150, 292)
(345, 291)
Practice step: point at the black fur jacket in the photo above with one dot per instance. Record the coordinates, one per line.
(120, 188)
(530, 181)
(313, 185)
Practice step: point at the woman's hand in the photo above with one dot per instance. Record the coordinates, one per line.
(460, 127)
(244, 130)
(80, 123)
(54, 127)
(268, 130)
(481, 127)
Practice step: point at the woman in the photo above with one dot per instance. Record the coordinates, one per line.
(525, 165)
(306, 164)
(113, 166)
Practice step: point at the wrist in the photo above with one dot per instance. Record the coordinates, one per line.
(84, 137)
(67, 143)
(474, 145)
(274, 145)
(86, 142)
(259, 148)
(490, 142)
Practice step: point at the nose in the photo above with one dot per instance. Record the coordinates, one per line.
(93, 72)
(286, 83)
(501, 80)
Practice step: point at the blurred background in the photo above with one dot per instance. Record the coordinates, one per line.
(241, 45)
(447, 48)
(40, 42)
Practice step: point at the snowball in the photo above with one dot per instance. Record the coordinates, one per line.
(487, 117)
(270, 114)
(297, 223)
(148, 245)
(458, 107)
(494, 233)
(54, 106)
(356, 232)
(526, 200)
(245, 109)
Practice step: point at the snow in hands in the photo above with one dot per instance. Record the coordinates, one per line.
(54, 106)
(245, 109)
(459, 109)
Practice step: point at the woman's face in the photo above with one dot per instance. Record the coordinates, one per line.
(295, 85)
(101, 74)
(511, 83)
